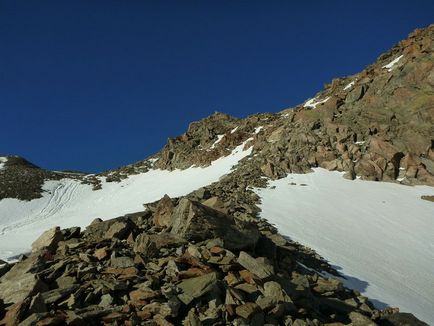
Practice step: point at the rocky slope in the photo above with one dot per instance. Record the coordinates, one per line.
(196, 259)
(183, 263)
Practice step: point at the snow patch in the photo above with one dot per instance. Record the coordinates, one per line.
(219, 138)
(233, 130)
(391, 64)
(258, 129)
(379, 233)
(312, 104)
(349, 85)
(68, 203)
(3, 160)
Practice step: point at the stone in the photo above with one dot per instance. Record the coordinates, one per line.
(49, 239)
(100, 253)
(262, 269)
(217, 204)
(33, 319)
(273, 290)
(247, 288)
(122, 273)
(202, 193)
(196, 222)
(196, 287)
(140, 297)
(106, 301)
(20, 283)
(328, 285)
(163, 212)
(37, 305)
(357, 319)
(118, 230)
(150, 244)
(247, 310)
(56, 295)
(71, 233)
(15, 313)
(121, 262)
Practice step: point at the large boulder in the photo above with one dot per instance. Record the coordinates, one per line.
(163, 212)
(48, 240)
(21, 282)
(196, 222)
(150, 244)
(196, 287)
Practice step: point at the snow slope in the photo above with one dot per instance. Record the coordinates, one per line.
(380, 234)
(69, 203)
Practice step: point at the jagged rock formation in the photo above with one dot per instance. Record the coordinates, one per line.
(206, 258)
(133, 271)
(378, 124)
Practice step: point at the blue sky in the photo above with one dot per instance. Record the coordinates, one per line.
(92, 84)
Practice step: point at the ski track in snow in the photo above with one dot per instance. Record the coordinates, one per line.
(379, 235)
(68, 203)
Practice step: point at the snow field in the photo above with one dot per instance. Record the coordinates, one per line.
(380, 235)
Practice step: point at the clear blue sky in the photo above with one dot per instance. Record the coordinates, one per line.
(95, 84)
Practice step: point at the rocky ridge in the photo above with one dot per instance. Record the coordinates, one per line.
(376, 125)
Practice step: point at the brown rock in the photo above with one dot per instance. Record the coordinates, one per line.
(15, 313)
(119, 230)
(247, 310)
(163, 212)
(197, 222)
(101, 253)
(20, 283)
(259, 267)
(217, 204)
(49, 239)
(141, 297)
(196, 287)
(150, 244)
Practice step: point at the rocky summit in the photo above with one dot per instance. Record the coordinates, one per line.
(204, 257)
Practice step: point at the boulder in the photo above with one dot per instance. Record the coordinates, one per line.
(247, 310)
(20, 283)
(357, 319)
(49, 240)
(327, 285)
(150, 244)
(196, 287)
(118, 230)
(217, 204)
(261, 267)
(196, 222)
(163, 212)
